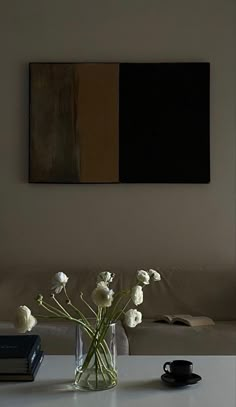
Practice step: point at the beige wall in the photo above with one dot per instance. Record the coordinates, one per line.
(116, 225)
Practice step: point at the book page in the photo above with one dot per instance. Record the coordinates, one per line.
(193, 321)
(164, 318)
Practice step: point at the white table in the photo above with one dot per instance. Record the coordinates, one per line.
(139, 385)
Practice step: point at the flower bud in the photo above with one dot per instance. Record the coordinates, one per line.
(59, 282)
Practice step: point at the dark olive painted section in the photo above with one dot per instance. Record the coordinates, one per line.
(54, 133)
(74, 119)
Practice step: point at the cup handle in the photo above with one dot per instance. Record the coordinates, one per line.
(165, 367)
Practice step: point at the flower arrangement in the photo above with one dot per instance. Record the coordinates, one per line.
(110, 307)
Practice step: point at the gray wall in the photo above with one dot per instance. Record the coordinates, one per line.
(116, 225)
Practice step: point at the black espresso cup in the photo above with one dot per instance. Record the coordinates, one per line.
(179, 368)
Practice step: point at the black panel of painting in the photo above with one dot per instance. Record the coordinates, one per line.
(164, 123)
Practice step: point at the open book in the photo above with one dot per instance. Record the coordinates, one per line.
(185, 319)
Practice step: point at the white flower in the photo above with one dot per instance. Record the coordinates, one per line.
(137, 294)
(24, 320)
(143, 276)
(105, 276)
(133, 318)
(154, 275)
(59, 281)
(102, 296)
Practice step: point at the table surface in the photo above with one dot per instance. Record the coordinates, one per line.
(139, 385)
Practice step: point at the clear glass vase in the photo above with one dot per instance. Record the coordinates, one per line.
(95, 358)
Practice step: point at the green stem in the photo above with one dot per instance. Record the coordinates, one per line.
(115, 306)
(58, 315)
(69, 302)
(93, 334)
(102, 330)
(109, 370)
(99, 314)
(85, 302)
(45, 316)
(96, 370)
(59, 305)
(123, 310)
(50, 308)
(79, 313)
(65, 291)
(104, 347)
(65, 316)
(91, 349)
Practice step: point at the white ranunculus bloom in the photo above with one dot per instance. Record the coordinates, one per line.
(102, 296)
(143, 276)
(154, 275)
(24, 320)
(137, 295)
(59, 281)
(133, 317)
(105, 276)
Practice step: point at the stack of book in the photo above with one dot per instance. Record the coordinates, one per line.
(20, 357)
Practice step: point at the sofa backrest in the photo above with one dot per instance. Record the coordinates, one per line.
(209, 293)
(201, 292)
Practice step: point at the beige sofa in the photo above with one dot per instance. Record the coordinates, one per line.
(201, 292)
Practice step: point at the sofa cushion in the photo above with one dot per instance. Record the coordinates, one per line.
(150, 338)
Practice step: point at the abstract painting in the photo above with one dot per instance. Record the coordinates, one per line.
(119, 123)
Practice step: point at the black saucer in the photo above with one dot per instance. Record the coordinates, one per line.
(178, 382)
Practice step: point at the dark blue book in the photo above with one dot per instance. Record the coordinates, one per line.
(18, 351)
(28, 376)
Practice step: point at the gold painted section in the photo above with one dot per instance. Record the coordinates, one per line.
(98, 121)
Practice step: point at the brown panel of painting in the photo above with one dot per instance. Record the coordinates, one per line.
(98, 111)
(54, 137)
